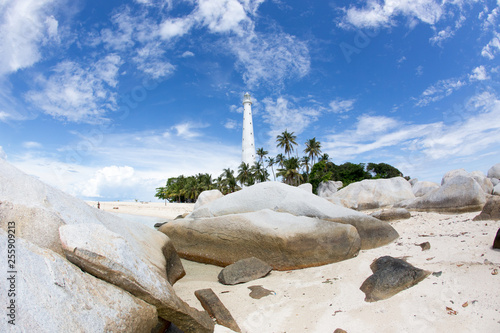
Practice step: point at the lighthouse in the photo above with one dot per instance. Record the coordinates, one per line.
(248, 144)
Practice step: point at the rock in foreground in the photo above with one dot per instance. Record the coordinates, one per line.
(491, 211)
(111, 258)
(54, 295)
(391, 214)
(390, 276)
(288, 199)
(243, 271)
(282, 240)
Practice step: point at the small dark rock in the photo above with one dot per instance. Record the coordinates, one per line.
(243, 271)
(437, 274)
(258, 292)
(213, 305)
(491, 210)
(390, 276)
(496, 243)
(339, 330)
(425, 246)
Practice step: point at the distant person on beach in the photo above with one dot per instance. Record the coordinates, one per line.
(98, 205)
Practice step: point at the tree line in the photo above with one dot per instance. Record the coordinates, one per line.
(292, 170)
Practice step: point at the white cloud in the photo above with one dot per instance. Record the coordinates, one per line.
(76, 93)
(150, 59)
(417, 146)
(187, 130)
(440, 90)
(187, 54)
(270, 58)
(492, 48)
(25, 27)
(176, 27)
(231, 124)
(3, 155)
(376, 14)
(283, 115)
(32, 145)
(479, 74)
(222, 15)
(342, 105)
(419, 70)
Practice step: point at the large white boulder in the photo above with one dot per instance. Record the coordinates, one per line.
(494, 171)
(327, 189)
(108, 256)
(496, 189)
(422, 188)
(206, 197)
(289, 199)
(282, 240)
(53, 295)
(458, 194)
(478, 176)
(375, 193)
(39, 210)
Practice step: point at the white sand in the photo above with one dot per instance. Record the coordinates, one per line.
(321, 299)
(155, 209)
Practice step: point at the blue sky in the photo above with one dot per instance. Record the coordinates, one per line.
(108, 99)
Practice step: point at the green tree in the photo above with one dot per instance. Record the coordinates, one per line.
(270, 163)
(286, 141)
(259, 173)
(261, 153)
(383, 170)
(280, 158)
(290, 172)
(313, 149)
(304, 162)
(245, 176)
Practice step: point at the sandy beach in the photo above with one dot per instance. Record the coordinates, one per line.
(152, 209)
(462, 295)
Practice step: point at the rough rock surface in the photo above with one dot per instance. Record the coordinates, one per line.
(478, 176)
(207, 197)
(306, 187)
(108, 256)
(244, 270)
(390, 276)
(496, 189)
(458, 194)
(327, 189)
(454, 173)
(391, 214)
(213, 305)
(39, 210)
(491, 210)
(494, 171)
(54, 295)
(422, 188)
(288, 199)
(282, 240)
(375, 193)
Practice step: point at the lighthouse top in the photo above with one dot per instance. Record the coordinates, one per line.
(247, 99)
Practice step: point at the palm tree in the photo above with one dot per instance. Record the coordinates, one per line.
(280, 159)
(259, 173)
(227, 182)
(313, 149)
(245, 174)
(290, 172)
(261, 153)
(305, 163)
(270, 162)
(286, 141)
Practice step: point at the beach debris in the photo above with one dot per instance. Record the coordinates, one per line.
(437, 274)
(466, 304)
(491, 210)
(390, 276)
(116, 207)
(450, 311)
(258, 292)
(494, 272)
(216, 309)
(425, 246)
(244, 270)
(391, 214)
(339, 330)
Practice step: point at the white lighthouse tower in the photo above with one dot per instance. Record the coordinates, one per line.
(248, 144)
